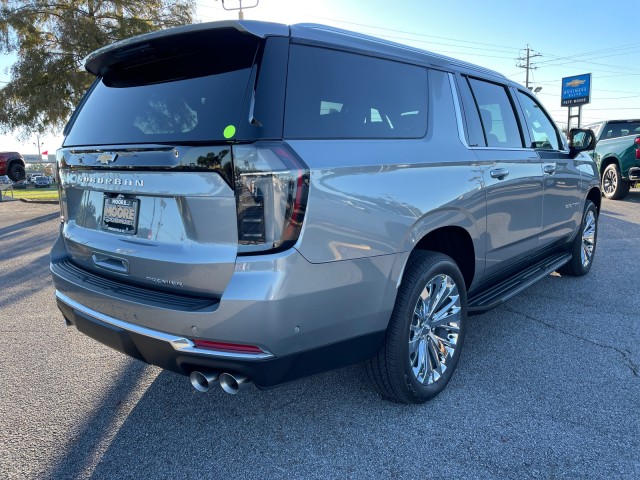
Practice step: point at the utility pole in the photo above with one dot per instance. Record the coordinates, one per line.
(527, 64)
(38, 144)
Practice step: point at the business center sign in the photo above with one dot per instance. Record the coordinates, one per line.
(576, 90)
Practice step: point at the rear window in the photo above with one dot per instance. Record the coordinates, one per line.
(621, 129)
(180, 94)
(332, 94)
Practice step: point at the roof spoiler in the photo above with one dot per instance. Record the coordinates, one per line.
(98, 62)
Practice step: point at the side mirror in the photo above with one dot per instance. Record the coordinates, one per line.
(580, 140)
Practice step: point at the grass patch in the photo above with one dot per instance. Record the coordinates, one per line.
(34, 193)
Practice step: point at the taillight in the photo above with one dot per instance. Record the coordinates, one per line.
(271, 186)
(637, 142)
(61, 192)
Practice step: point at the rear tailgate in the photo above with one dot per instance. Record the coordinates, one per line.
(171, 230)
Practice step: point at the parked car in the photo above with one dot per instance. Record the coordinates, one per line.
(41, 181)
(22, 184)
(617, 155)
(353, 201)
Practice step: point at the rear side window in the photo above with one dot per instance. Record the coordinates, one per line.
(332, 94)
(496, 113)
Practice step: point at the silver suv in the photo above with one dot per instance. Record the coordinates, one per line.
(251, 202)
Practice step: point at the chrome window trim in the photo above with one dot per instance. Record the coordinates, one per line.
(180, 344)
(456, 107)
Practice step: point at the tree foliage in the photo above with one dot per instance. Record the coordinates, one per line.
(51, 38)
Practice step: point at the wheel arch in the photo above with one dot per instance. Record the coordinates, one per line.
(456, 242)
(608, 161)
(595, 195)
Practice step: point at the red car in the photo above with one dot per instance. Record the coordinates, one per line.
(12, 165)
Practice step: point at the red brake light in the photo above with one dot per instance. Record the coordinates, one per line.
(637, 141)
(227, 347)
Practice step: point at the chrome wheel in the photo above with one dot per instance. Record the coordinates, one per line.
(588, 238)
(434, 330)
(610, 181)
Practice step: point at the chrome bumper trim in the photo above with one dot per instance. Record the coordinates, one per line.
(180, 344)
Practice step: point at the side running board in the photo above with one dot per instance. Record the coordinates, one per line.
(503, 291)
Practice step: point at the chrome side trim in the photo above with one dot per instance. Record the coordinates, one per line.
(456, 107)
(192, 184)
(180, 344)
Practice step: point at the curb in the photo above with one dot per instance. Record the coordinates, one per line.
(28, 200)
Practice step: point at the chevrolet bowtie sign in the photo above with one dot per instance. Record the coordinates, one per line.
(576, 90)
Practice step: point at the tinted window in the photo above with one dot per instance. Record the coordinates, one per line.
(170, 97)
(615, 129)
(333, 94)
(543, 133)
(496, 112)
(475, 134)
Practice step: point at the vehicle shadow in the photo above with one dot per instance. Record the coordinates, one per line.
(27, 223)
(633, 196)
(174, 431)
(525, 386)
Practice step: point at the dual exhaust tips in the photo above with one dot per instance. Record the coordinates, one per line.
(230, 383)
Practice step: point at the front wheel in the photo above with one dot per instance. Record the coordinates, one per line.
(16, 172)
(613, 186)
(583, 247)
(426, 331)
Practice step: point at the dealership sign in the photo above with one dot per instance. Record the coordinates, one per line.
(576, 90)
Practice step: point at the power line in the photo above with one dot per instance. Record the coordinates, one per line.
(416, 34)
(593, 52)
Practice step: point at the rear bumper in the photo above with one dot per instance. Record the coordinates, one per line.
(307, 317)
(178, 354)
(634, 174)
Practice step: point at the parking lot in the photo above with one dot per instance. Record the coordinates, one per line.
(548, 387)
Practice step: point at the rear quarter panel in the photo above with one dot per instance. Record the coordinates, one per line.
(380, 197)
(622, 149)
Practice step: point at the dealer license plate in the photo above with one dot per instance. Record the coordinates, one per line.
(120, 214)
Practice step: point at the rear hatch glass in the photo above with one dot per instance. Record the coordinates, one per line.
(189, 90)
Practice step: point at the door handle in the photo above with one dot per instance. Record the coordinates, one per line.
(110, 263)
(549, 169)
(499, 173)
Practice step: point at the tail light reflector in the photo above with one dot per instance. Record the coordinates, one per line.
(227, 347)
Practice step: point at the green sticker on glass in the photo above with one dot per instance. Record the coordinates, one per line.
(229, 131)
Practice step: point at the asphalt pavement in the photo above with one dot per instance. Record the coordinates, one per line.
(548, 386)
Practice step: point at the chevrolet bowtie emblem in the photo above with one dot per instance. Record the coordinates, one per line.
(107, 158)
(575, 83)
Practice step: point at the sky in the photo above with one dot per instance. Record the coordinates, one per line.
(567, 38)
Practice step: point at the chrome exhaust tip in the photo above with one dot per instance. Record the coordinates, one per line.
(203, 381)
(232, 384)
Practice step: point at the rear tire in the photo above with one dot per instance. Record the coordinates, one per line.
(613, 186)
(426, 331)
(583, 247)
